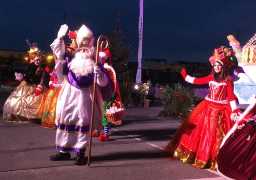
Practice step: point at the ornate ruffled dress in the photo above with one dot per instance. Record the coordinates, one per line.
(237, 156)
(50, 103)
(197, 140)
(23, 105)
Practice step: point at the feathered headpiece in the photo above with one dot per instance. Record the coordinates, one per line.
(34, 52)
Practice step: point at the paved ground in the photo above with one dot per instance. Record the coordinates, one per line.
(132, 153)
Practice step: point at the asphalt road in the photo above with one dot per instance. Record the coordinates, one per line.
(133, 152)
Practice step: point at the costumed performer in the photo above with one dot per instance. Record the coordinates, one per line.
(197, 140)
(74, 105)
(25, 103)
(151, 92)
(105, 56)
(237, 155)
(49, 108)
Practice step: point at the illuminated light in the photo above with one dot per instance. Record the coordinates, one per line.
(49, 57)
(136, 86)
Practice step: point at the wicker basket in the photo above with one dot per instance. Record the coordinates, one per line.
(117, 117)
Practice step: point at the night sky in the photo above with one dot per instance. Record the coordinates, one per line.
(173, 30)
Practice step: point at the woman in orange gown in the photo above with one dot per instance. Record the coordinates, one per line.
(197, 140)
(49, 108)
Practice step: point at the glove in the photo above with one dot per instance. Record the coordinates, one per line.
(62, 32)
(97, 70)
(53, 74)
(18, 76)
(113, 98)
(183, 73)
(47, 69)
(38, 90)
(235, 113)
(51, 86)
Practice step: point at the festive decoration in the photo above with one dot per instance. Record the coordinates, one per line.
(177, 101)
(223, 55)
(34, 52)
(120, 56)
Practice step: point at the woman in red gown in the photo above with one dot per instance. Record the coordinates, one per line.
(237, 156)
(197, 140)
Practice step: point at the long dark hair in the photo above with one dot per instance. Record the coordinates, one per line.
(221, 76)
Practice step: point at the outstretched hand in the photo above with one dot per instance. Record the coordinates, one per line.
(97, 70)
(183, 73)
(63, 31)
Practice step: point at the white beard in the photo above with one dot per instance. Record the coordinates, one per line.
(82, 64)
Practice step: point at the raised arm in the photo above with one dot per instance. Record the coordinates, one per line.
(193, 80)
(58, 46)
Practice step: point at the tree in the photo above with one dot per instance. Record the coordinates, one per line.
(120, 56)
(177, 101)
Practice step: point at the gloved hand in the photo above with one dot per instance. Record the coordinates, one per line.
(62, 32)
(18, 76)
(38, 90)
(53, 74)
(235, 113)
(114, 96)
(51, 86)
(183, 73)
(97, 70)
(47, 69)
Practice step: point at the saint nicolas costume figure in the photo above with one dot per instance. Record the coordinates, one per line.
(74, 106)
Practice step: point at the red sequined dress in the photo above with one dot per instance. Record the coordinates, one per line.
(197, 140)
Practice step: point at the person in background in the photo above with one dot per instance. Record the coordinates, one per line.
(105, 59)
(237, 155)
(50, 103)
(150, 92)
(24, 104)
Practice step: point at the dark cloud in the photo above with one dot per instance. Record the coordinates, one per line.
(173, 30)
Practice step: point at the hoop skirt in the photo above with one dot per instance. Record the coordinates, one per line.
(23, 105)
(237, 157)
(49, 108)
(197, 140)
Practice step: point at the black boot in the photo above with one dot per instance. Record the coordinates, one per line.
(80, 159)
(60, 156)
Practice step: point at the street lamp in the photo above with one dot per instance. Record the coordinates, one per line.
(49, 58)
